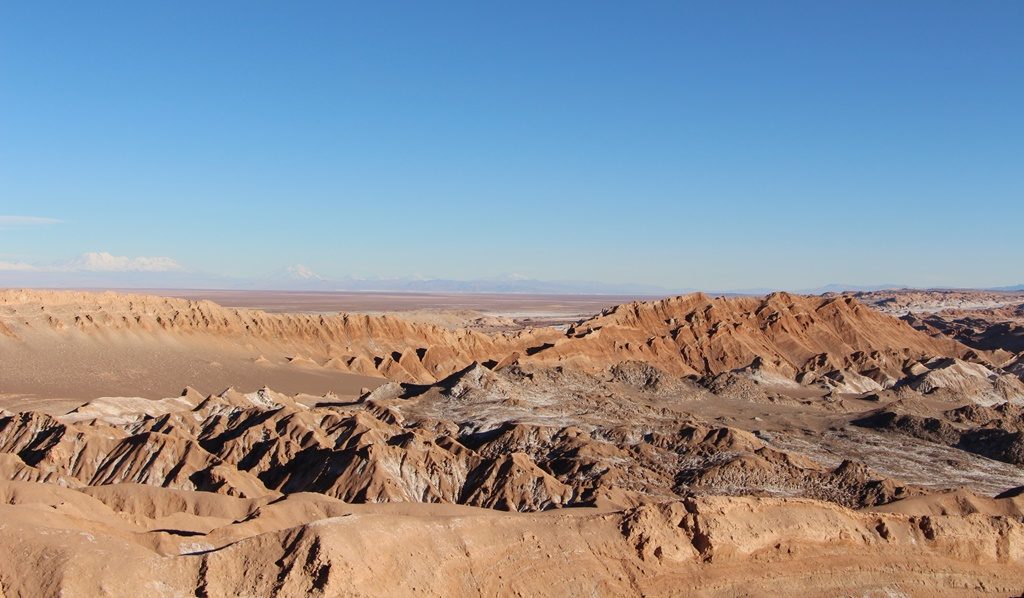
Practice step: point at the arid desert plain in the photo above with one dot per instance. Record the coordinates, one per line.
(861, 444)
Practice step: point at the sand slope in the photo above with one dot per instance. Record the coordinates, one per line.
(312, 545)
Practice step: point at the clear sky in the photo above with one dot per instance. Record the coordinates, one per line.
(712, 145)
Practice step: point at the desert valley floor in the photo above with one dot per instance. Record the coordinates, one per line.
(861, 444)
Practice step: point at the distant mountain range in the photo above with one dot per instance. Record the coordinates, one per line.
(302, 278)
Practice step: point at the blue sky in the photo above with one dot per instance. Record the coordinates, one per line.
(709, 145)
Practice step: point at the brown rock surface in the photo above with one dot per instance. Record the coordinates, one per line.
(688, 446)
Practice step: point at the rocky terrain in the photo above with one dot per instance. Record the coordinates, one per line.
(835, 341)
(985, 320)
(900, 302)
(692, 445)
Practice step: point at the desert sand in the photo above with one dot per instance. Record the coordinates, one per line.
(694, 445)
